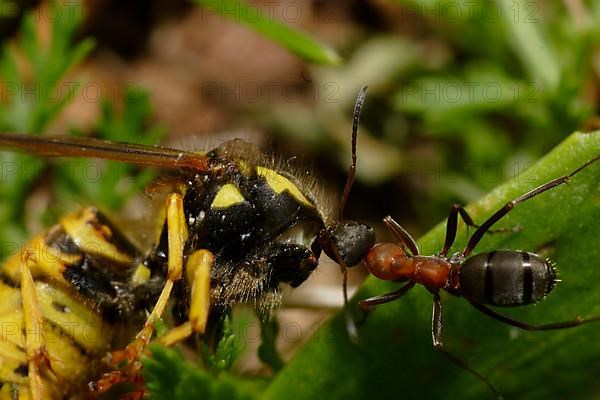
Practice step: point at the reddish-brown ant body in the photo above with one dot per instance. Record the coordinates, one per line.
(499, 278)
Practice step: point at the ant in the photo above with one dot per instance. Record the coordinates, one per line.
(498, 278)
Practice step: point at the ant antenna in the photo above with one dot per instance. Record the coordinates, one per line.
(352, 171)
(350, 323)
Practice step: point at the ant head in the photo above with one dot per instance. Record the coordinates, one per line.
(348, 242)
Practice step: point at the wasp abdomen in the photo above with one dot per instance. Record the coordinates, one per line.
(81, 272)
(506, 278)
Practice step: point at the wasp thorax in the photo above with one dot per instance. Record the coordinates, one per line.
(260, 226)
(349, 239)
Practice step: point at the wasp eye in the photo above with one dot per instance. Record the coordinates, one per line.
(351, 239)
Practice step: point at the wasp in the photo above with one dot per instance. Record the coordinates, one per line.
(501, 278)
(236, 226)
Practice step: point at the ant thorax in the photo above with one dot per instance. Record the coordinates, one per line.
(457, 258)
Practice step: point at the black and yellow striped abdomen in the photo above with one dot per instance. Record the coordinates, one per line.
(506, 278)
(81, 269)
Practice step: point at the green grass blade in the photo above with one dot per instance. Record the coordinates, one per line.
(395, 358)
(522, 21)
(260, 21)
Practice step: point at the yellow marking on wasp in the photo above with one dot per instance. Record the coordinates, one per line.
(280, 183)
(42, 260)
(140, 275)
(11, 301)
(91, 239)
(244, 168)
(229, 195)
(11, 358)
(8, 391)
(34, 328)
(83, 325)
(24, 393)
(12, 332)
(198, 273)
(10, 353)
(67, 360)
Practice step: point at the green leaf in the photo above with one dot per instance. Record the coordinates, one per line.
(260, 21)
(169, 376)
(395, 358)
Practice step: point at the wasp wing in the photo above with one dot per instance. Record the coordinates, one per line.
(95, 148)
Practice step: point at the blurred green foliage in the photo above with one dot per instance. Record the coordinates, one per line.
(169, 376)
(33, 101)
(293, 40)
(499, 86)
(109, 184)
(229, 347)
(453, 87)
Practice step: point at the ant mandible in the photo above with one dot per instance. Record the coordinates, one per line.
(498, 278)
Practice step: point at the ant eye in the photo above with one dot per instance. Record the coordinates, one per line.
(351, 239)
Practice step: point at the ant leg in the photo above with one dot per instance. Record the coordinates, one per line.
(531, 327)
(367, 305)
(130, 355)
(350, 323)
(402, 235)
(438, 344)
(452, 224)
(476, 237)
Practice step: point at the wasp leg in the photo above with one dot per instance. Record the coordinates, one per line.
(198, 274)
(438, 344)
(130, 355)
(38, 358)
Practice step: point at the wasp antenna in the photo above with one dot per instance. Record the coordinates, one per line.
(352, 172)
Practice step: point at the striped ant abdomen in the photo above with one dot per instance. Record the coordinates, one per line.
(506, 278)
